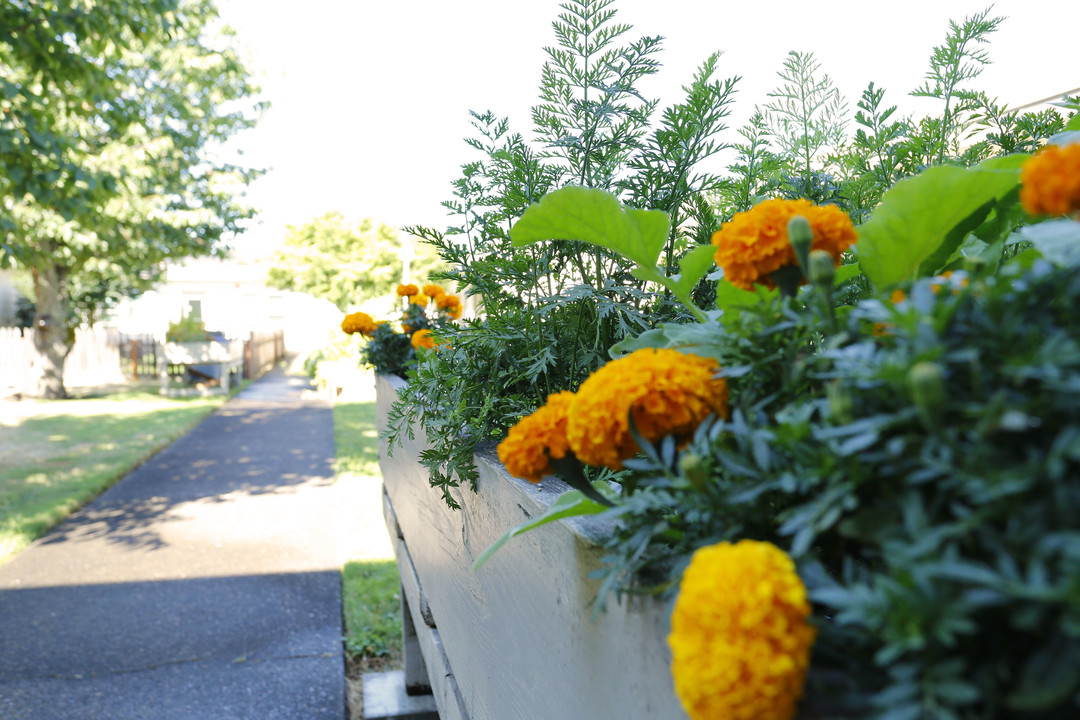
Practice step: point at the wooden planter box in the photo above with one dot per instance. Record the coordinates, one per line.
(518, 638)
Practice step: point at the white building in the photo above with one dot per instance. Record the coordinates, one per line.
(230, 297)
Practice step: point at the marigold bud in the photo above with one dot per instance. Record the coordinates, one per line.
(926, 383)
(693, 467)
(822, 270)
(801, 238)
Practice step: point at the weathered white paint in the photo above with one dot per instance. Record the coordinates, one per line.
(518, 636)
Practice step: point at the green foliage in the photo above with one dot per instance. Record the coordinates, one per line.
(958, 60)
(806, 119)
(372, 608)
(344, 262)
(924, 219)
(936, 532)
(389, 351)
(188, 328)
(561, 305)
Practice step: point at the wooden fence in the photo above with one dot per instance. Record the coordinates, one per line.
(104, 355)
(93, 360)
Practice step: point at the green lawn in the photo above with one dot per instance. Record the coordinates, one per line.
(370, 586)
(57, 455)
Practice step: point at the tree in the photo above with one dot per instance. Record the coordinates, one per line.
(344, 262)
(109, 115)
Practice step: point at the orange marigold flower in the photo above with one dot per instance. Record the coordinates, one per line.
(1050, 181)
(422, 338)
(530, 445)
(358, 322)
(407, 290)
(432, 290)
(740, 640)
(669, 393)
(419, 299)
(451, 304)
(754, 244)
(898, 296)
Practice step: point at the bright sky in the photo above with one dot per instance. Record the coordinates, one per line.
(371, 98)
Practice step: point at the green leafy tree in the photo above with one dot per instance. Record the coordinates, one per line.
(109, 115)
(345, 262)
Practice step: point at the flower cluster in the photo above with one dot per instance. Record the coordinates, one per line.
(740, 640)
(391, 349)
(539, 438)
(444, 301)
(666, 392)
(754, 244)
(358, 322)
(1050, 181)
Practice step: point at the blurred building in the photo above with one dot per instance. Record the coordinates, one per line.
(230, 297)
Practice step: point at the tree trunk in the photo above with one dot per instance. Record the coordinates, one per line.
(51, 337)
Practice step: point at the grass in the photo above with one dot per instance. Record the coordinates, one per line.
(370, 586)
(372, 611)
(57, 455)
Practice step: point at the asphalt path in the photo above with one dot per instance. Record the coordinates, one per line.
(205, 584)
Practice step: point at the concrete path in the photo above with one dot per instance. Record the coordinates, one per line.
(204, 584)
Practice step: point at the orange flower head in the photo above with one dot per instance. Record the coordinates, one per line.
(531, 445)
(668, 392)
(432, 290)
(358, 322)
(754, 244)
(407, 290)
(419, 299)
(422, 339)
(451, 304)
(1050, 181)
(740, 641)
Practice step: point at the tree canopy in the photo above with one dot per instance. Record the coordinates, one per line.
(343, 261)
(111, 118)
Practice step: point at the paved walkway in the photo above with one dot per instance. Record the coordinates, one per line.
(203, 585)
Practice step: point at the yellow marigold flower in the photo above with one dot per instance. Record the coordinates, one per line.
(530, 445)
(422, 338)
(407, 290)
(740, 640)
(358, 322)
(419, 299)
(754, 244)
(669, 393)
(1050, 181)
(898, 296)
(432, 290)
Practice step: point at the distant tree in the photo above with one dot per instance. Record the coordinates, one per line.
(109, 114)
(343, 261)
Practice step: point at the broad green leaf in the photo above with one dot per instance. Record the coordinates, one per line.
(693, 266)
(1057, 240)
(655, 338)
(920, 217)
(846, 272)
(570, 504)
(732, 299)
(596, 217)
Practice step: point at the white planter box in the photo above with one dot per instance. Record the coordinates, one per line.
(516, 639)
(204, 353)
(228, 355)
